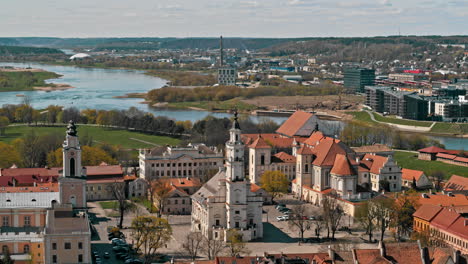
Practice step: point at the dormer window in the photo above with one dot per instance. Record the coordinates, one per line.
(33, 200)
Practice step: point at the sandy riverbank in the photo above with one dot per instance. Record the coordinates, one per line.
(55, 87)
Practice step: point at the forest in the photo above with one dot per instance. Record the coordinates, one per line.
(24, 80)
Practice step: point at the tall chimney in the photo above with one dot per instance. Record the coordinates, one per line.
(221, 57)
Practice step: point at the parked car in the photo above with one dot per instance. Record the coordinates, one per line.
(285, 209)
(282, 218)
(120, 249)
(313, 240)
(311, 218)
(278, 206)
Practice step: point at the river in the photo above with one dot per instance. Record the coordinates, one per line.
(95, 88)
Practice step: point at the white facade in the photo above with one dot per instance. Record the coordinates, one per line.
(227, 76)
(226, 200)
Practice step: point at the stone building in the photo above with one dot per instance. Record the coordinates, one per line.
(195, 160)
(226, 201)
(45, 222)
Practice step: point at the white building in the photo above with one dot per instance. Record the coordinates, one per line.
(192, 161)
(227, 201)
(227, 76)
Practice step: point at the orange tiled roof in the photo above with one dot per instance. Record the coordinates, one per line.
(295, 123)
(342, 166)
(259, 143)
(373, 162)
(314, 139)
(304, 150)
(445, 156)
(41, 187)
(432, 149)
(254, 187)
(285, 157)
(184, 182)
(403, 253)
(461, 159)
(274, 140)
(444, 200)
(427, 212)
(448, 219)
(326, 152)
(457, 183)
(366, 255)
(104, 170)
(408, 174)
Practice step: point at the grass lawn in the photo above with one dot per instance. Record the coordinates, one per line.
(362, 116)
(123, 138)
(108, 205)
(24, 81)
(398, 121)
(450, 128)
(213, 105)
(410, 161)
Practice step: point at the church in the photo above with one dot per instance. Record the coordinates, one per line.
(227, 201)
(45, 221)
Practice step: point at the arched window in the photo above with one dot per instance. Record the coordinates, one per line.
(4, 249)
(262, 159)
(306, 168)
(72, 167)
(26, 249)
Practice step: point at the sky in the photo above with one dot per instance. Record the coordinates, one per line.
(231, 18)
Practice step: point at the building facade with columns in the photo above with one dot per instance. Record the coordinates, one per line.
(227, 201)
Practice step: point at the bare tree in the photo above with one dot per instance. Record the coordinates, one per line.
(119, 194)
(299, 219)
(380, 209)
(332, 213)
(319, 223)
(193, 244)
(212, 247)
(366, 219)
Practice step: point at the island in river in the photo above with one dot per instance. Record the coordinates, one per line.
(14, 79)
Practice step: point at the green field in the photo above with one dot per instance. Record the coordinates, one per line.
(410, 161)
(24, 81)
(108, 205)
(123, 138)
(450, 128)
(215, 105)
(407, 122)
(362, 116)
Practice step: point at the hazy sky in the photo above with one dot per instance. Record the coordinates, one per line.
(232, 18)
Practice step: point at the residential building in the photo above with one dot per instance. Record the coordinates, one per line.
(46, 222)
(446, 225)
(415, 178)
(355, 79)
(227, 76)
(177, 200)
(381, 173)
(457, 184)
(406, 77)
(195, 160)
(451, 110)
(226, 200)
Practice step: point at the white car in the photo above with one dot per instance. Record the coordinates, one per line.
(282, 218)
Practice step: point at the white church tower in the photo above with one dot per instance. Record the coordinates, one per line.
(72, 182)
(226, 201)
(71, 153)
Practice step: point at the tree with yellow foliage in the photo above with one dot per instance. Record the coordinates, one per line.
(8, 156)
(274, 182)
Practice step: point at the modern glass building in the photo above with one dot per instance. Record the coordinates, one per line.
(356, 78)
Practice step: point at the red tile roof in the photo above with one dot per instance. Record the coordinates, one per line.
(432, 149)
(403, 253)
(314, 139)
(274, 140)
(373, 162)
(342, 166)
(304, 150)
(259, 143)
(41, 187)
(444, 199)
(461, 159)
(445, 156)
(408, 174)
(298, 124)
(254, 187)
(457, 183)
(326, 152)
(446, 218)
(30, 171)
(427, 212)
(366, 255)
(285, 157)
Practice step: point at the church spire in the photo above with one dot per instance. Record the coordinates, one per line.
(72, 153)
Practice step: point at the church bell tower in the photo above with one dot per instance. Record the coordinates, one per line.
(72, 153)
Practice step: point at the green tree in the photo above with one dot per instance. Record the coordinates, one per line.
(274, 182)
(150, 233)
(4, 122)
(235, 243)
(8, 156)
(6, 258)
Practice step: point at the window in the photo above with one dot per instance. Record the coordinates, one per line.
(54, 246)
(306, 168)
(54, 259)
(262, 159)
(216, 234)
(80, 258)
(4, 249)
(80, 245)
(6, 221)
(176, 201)
(27, 220)
(183, 201)
(26, 249)
(99, 187)
(237, 212)
(237, 224)
(67, 245)
(217, 222)
(394, 186)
